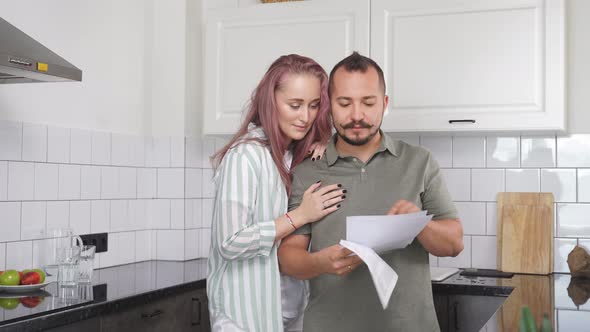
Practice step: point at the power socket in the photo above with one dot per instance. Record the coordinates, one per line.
(100, 240)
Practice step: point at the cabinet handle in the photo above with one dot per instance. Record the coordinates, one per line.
(152, 315)
(198, 322)
(462, 121)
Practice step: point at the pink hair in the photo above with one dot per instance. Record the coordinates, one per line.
(262, 112)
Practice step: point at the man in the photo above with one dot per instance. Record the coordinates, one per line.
(381, 176)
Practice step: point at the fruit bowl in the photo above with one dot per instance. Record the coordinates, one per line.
(23, 288)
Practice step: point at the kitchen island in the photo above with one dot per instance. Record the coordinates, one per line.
(157, 294)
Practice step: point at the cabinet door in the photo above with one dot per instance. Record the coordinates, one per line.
(241, 43)
(476, 65)
(156, 316)
(193, 312)
(88, 325)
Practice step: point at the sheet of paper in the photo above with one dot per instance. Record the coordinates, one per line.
(384, 233)
(384, 277)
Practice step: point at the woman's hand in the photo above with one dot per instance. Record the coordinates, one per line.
(318, 202)
(316, 150)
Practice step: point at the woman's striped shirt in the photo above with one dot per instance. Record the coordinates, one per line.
(243, 282)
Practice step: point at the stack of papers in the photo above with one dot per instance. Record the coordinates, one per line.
(368, 235)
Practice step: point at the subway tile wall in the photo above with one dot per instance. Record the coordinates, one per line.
(135, 188)
(476, 168)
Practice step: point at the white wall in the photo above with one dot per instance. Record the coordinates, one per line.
(132, 54)
(578, 66)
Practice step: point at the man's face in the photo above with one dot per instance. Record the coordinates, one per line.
(358, 103)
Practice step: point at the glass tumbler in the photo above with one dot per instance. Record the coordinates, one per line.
(86, 265)
(68, 263)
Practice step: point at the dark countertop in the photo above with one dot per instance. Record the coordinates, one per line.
(113, 289)
(124, 286)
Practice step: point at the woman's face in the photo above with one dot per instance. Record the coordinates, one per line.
(298, 102)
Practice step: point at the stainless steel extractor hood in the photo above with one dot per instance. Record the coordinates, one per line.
(25, 60)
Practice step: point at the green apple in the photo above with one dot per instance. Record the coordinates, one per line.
(9, 303)
(10, 278)
(41, 273)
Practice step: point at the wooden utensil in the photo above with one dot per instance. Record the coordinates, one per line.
(525, 233)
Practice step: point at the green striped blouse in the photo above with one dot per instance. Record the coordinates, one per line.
(243, 282)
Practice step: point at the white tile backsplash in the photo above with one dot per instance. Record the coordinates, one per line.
(170, 244)
(560, 182)
(473, 217)
(3, 180)
(458, 182)
(441, 148)
(21, 181)
(537, 151)
(110, 182)
(523, 180)
(569, 151)
(572, 220)
(100, 216)
(80, 217)
(19, 255)
(146, 183)
(80, 146)
(69, 182)
(486, 184)
(469, 152)
(58, 145)
(58, 214)
(11, 135)
(101, 148)
(33, 220)
(484, 252)
(34, 142)
(502, 152)
(171, 183)
(90, 182)
(11, 215)
(46, 181)
(583, 185)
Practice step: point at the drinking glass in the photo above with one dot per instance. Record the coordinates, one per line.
(68, 263)
(86, 265)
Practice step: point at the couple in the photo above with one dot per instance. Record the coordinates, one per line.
(268, 195)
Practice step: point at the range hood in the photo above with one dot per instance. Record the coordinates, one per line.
(24, 60)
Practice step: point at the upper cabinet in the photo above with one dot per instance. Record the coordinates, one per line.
(472, 65)
(450, 65)
(241, 43)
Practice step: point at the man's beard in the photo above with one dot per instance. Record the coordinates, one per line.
(357, 142)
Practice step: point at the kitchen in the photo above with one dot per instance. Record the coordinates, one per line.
(125, 151)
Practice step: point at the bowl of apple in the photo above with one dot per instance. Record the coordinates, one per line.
(25, 281)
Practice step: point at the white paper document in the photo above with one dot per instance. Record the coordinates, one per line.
(384, 277)
(383, 233)
(368, 235)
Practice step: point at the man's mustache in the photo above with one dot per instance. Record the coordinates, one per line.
(353, 124)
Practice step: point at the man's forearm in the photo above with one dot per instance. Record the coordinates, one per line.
(442, 237)
(298, 263)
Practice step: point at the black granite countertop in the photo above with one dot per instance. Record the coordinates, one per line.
(125, 286)
(112, 289)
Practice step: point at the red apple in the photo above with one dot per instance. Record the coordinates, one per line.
(30, 278)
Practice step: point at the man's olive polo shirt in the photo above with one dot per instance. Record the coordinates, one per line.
(350, 303)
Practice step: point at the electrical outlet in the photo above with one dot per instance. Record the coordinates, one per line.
(100, 240)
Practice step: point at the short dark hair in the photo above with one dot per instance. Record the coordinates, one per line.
(356, 62)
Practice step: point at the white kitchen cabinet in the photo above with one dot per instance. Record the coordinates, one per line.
(471, 65)
(241, 43)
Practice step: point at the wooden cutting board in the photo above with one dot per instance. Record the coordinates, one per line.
(525, 233)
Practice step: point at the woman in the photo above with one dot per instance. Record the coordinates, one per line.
(289, 111)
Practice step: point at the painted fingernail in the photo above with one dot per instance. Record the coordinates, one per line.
(312, 159)
(343, 196)
(318, 181)
(344, 191)
(339, 185)
(338, 205)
